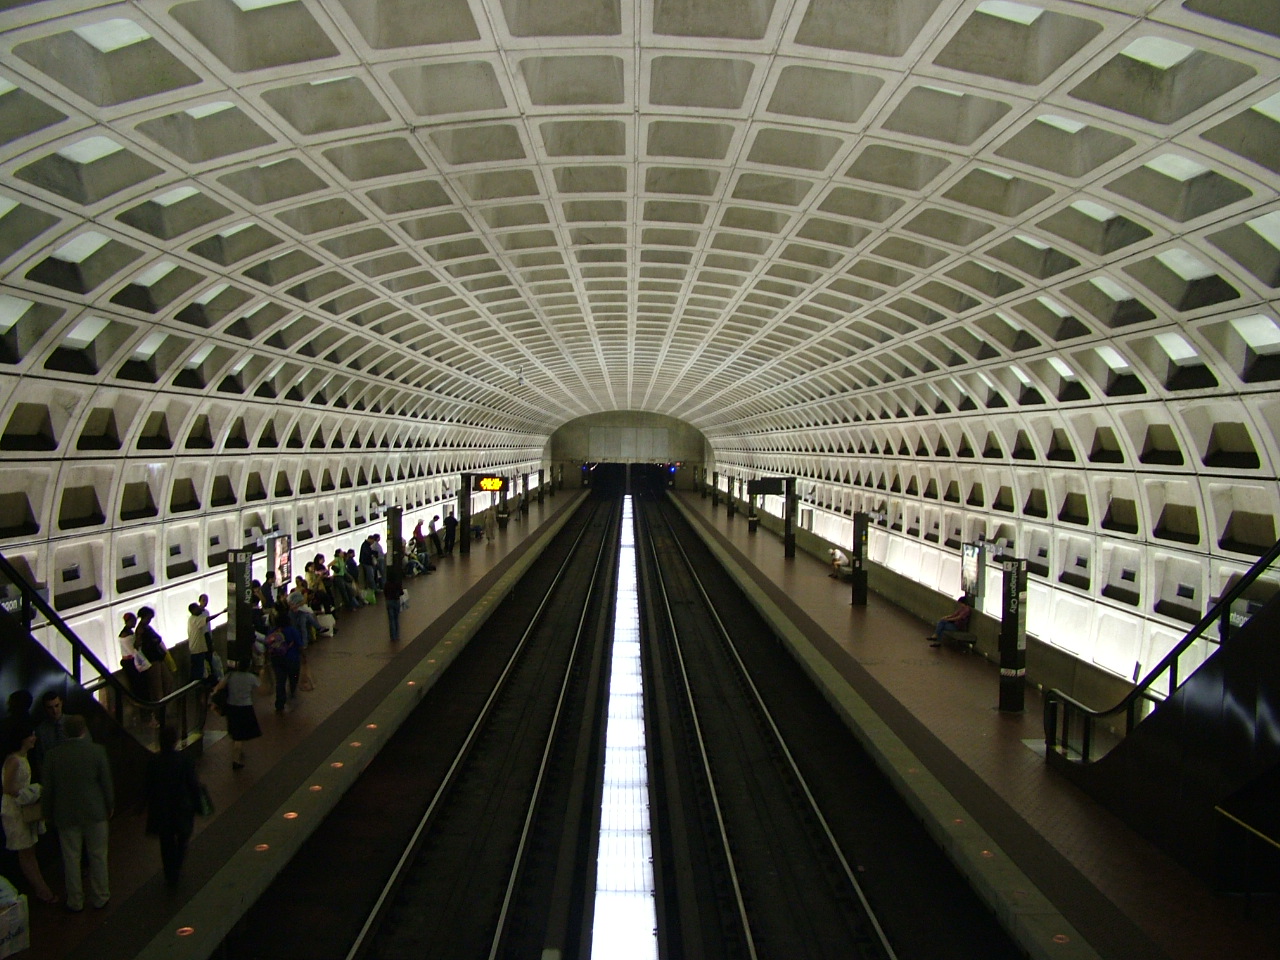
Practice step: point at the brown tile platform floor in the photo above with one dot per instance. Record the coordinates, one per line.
(1129, 900)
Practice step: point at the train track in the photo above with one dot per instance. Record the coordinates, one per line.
(469, 884)
(777, 835)
(783, 887)
(472, 835)
(452, 843)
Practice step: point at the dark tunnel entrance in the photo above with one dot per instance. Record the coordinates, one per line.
(616, 479)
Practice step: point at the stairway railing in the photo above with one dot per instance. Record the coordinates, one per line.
(184, 707)
(1070, 727)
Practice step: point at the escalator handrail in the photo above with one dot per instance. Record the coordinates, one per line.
(1141, 690)
(108, 676)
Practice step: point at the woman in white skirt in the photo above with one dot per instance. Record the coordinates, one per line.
(19, 834)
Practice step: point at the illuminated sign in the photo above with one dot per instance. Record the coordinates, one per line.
(491, 484)
(973, 562)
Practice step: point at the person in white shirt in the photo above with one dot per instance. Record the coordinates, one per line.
(379, 558)
(198, 642)
(839, 563)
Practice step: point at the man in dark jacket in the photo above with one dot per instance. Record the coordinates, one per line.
(368, 566)
(173, 797)
(450, 532)
(79, 798)
(49, 730)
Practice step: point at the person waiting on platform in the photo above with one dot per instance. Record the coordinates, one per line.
(957, 620)
(840, 564)
(242, 722)
(450, 532)
(434, 536)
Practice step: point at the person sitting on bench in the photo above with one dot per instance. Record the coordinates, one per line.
(957, 620)
(839, 563)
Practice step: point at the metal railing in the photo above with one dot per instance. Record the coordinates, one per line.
(184, 707)
(1070, 727)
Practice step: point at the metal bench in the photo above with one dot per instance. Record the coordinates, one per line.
(960, 639)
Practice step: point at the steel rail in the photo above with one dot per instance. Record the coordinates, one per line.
(782, 744)
(702, 746)
(361, 943)
(552, 735)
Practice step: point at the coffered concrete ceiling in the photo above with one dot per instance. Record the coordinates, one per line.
(765, 217)
(745, 213)
(986, 268)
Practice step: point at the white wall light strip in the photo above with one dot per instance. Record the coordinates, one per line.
(625, 925)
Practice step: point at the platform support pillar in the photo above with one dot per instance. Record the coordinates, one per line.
(858, 560)
(239, 605)
(1013, 635)
(395, 545)
(789, 519)
(464, 516)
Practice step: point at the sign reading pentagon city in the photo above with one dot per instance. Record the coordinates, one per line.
(491, 484)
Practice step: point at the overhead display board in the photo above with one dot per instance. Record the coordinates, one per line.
(490, 484)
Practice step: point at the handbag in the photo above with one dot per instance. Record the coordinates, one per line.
(32, 812)
(218, 701)
(206, 802)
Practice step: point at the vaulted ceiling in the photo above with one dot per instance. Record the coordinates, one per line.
(750, 214)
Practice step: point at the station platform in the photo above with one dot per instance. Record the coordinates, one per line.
(358, 673)
(936, 729)
(963, 759)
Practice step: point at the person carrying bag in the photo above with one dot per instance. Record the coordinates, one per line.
(146, 640)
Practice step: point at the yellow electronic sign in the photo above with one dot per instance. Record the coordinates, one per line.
(491, 484)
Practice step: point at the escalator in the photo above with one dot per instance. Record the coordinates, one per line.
(1177, 771)
(31, 633)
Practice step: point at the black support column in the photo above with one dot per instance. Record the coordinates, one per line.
(789, 518)
(395, 545)
(858, 562)
(1013, 635)
(239, 605)
(464, 516)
